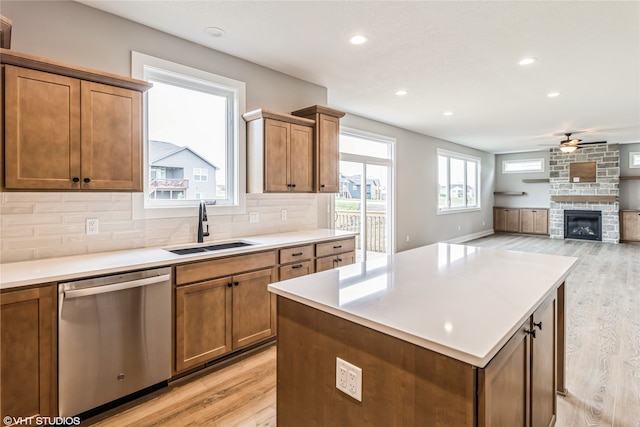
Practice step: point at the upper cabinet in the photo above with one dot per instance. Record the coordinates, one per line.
(69, 128)
(327, 136)
(289, 153)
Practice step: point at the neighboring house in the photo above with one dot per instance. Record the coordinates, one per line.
(179, 173)
(457, 191)
(351, 188)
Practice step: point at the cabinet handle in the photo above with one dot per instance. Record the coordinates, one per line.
(87, 180)
(337, 260)
(236, 283)
(293, 185)
(297, 266)
(75, 179)
(321, 185)
(297, 254)
(229, 285)
(337, 247)
(539, 325)
(532, 333)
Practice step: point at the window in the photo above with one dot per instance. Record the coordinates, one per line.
(192, 137)
(634, 160)
(523, 166)
(458, 182)
(200, 174)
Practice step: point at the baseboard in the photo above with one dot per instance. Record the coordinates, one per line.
(466, 238)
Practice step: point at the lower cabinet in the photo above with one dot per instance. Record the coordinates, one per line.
(507, 220)
(521, 220)
(218, 315)
(335, 261)
(518, 386)
(28, 361)
(630, 226)
(335, 254)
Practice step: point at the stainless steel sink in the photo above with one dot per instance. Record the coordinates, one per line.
(210, 248)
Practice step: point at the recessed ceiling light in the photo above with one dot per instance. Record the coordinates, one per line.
(553, 94)
(527, 61)
(448, 113)
(358, 39)
(401, 92)
(214, 32)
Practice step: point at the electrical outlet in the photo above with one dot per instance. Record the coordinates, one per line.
(283, 214)
(459, 228)
(483, 223)
(408, 238)
(92, 226)
(254, 217)
(349, 379)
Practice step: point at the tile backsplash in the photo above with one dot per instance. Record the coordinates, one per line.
(46, 225)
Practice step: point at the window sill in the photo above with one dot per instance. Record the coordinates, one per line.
(460, 210)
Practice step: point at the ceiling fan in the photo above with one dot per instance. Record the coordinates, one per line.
(570, 145)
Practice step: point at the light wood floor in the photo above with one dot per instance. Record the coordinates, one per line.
(603, 353)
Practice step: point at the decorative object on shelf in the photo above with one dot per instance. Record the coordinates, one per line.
(509, 193)
(5, 32)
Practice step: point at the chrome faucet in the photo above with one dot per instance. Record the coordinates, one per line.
(202, 217)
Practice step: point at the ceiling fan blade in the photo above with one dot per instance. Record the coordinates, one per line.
(592, 143)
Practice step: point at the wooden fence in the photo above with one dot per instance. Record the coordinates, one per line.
(375, 225)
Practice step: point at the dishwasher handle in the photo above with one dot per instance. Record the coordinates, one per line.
(76, 293)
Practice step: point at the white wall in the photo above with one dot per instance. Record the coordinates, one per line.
(537, 194)
(41, 225)
(629, 189)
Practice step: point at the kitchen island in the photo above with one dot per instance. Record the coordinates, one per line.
(444, 335)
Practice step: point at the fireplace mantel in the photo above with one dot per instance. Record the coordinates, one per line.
(584, 199)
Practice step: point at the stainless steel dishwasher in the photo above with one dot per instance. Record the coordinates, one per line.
(114, 337)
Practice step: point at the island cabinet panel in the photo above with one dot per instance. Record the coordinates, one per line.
(544, 408)
(28, 360)
(403, 384)
(203, 322)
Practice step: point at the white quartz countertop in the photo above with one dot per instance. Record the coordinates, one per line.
(461, 301)
(26, 273)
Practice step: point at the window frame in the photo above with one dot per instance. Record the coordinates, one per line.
(236, 156)
(520, 161)
(466, 158)
(633, 156)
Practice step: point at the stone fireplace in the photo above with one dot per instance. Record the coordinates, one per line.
(573, 195)
(584, 225)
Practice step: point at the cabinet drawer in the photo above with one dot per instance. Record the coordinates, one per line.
(296, 270)
(335, 247)
(329, 262)
(298, 253)
(205, 270)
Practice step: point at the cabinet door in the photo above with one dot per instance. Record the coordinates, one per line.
(300, 159)
(543, 366)
(111, 138)
(276, 137)
(203, 322)
(328, 133)
(504, 384)
(630, 226)
(42, 130)
(541, 221)
(253, 307)
(527, 221)
(28, 365)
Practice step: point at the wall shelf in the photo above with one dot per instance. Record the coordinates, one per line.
(629, 177)
(509, 193)
(532, 180)
(584, 199)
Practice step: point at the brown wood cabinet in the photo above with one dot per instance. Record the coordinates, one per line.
(227, 308)
(327, 136)
(335, 254)
(630, 226)
(506, 219)
(296, 261)
(534, 221)
(28, 360)
(279, 153)
(63, 132)
(518, 386)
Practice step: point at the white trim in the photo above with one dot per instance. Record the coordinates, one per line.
(634, 160)
(472, 236)
(238, 174)
(516, 161)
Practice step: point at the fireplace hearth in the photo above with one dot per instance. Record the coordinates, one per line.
(584, 225)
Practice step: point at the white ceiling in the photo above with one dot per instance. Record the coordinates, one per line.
(454, 56)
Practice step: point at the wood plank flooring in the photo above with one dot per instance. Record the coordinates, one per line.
(603, 353)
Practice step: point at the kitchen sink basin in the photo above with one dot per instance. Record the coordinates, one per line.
(210, 248)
